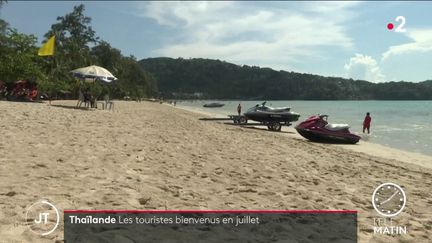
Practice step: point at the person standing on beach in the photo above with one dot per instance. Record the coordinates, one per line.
(367, 122)
(239, 109)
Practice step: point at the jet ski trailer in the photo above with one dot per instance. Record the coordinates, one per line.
(273, 118)
(242, 120)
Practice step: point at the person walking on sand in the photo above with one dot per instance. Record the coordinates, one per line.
(367, 122)
(239, 109)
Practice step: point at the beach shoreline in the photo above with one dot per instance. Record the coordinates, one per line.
(363, 146)
(151, 156)
(396, 124)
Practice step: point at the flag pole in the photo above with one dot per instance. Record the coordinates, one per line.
(48, 50)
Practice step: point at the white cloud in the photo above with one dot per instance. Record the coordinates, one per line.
(178, 13)
(422, 42)
(244, 33)
(364, 67)
(331, 6)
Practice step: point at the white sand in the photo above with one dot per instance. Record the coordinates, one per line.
(152, 156)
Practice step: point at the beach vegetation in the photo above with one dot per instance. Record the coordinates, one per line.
(76, 45)
(215, 79)
(18, 58)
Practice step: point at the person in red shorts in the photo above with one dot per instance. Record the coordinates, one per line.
(367, 122)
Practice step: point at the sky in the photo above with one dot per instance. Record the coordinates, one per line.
(341, 39)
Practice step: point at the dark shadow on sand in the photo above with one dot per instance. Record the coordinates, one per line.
(72, 107)
(265, 129)
(327, 142)
(22, 101)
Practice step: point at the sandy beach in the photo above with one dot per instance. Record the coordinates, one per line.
(152, 156)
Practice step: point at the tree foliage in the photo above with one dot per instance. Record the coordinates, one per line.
(17, 54)
(77, 45)
(134, 81)
(73, 35)
(222, 80)
(18, 59)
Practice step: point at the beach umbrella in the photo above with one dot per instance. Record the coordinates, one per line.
(94, 73)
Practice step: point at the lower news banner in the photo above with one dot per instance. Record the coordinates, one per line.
(210, 226)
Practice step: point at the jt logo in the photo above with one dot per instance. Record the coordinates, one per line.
(47, 221)
(45, 216)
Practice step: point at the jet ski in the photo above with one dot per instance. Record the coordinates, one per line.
(213, 105)
(317, 129)
(274, 118)
(264, 107)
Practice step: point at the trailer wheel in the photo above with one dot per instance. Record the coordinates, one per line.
(275, 126)
(278, 127)
(242, 120)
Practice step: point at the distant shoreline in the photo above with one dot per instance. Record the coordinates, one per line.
(370, 148)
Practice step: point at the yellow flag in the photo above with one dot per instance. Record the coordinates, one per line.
(48, 48)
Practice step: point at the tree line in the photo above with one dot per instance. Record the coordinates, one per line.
(215, 79)
(77, 45)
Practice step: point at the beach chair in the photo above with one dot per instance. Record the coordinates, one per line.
(102, 102)
(109, 104)
(83, 99)
(80, 99)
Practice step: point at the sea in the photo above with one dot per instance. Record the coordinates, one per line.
(404, 125)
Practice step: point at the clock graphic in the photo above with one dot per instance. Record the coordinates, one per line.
(389, 199)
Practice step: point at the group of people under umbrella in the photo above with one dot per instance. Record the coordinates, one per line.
(92, 74)
(27, 90)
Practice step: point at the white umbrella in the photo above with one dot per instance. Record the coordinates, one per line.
(94, 72)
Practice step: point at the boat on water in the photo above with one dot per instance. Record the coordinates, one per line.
(317, 129)
(273, 117)
(213, 105)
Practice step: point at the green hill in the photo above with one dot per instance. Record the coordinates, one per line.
(215, 79)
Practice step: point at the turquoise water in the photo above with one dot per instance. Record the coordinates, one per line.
(403, 125)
